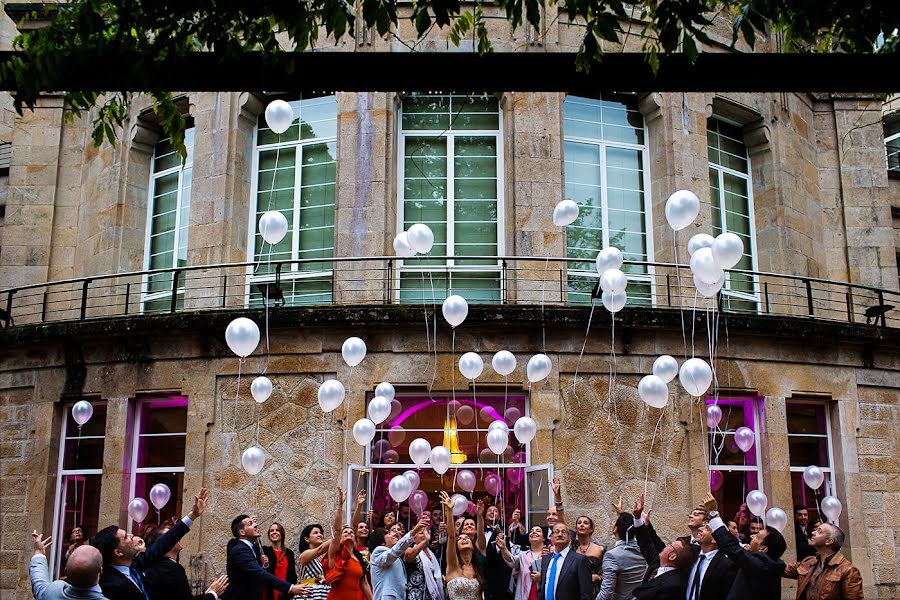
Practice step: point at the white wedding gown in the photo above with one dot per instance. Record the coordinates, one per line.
(463, 589)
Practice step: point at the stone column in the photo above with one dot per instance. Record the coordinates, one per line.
(220, 196)
(114, 486)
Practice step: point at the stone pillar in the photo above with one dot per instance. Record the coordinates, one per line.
(114, 486)
(220, 196)
(365, 212)
(28, 226)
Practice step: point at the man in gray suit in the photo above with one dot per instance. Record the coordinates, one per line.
(623, 565)
(82, 569)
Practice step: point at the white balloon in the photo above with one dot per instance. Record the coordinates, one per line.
(614, 301)
(757, 502)
(654, 391)
(565, 213)
(613, 280)
(379, 409)
(525, 429)
(832, 508)
(414, 480)
(682, 207)
(709, 290)
(701, 240)
(363, 431)
(353, 351)
(242, 336)
(504, 363)
(331, 394)
(497, 440)
(713, 416)
(695, 376)
(419, 451)
(253, 460)
(386, 390)
(727, 249)
(665, 367)
(471, 365)
(261, 389)
(460, 504)
(609, 258)
(704, 266)
(420, 238)
(455, 309)
(777, 518)
(499, 424)
(279, 116)
(273, 226)
(401, 245)
(813, 476)
(82, 413)
(538, 367)
(399, 488)
(440, 459)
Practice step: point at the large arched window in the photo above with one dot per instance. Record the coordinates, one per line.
(605, 154)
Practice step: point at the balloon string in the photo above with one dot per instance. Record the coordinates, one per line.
(583, 346)
(680, 302)
(650, 453)
(257, 423)
(693, 322)
(75, 479)
(477, 429)
(425, 311)
(433, 333)
(237, 394)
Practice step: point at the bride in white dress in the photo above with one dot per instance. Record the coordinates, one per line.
(463, 577)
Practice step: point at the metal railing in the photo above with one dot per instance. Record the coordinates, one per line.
(386, 280)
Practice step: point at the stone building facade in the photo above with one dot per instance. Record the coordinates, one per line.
(820, 206)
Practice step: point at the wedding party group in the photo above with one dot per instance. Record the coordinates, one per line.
(437, 555)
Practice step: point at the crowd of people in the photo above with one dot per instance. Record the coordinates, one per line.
(464, 557)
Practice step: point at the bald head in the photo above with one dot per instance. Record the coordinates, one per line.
(84, 566)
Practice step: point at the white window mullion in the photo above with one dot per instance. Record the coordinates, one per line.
(295, 234)
(604, 197)
(451, 205)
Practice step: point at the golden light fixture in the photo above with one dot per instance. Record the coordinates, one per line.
(451, 441)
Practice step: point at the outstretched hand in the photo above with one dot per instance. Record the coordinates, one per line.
(200, 501)
(446, 501)
(40, 543)
(361, 498)
(709, 504)
(617, 506)
(556, 485)
(638, 507)
(218, 586)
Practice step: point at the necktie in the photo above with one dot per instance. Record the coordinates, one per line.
(551, 579)
(695, 586)
(138, 581)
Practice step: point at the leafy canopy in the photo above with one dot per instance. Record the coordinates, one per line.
(162, 29)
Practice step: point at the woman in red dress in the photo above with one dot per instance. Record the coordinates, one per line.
(344, 564)
(280, 561)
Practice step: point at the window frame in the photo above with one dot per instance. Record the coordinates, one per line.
(294, 273)
(146, 295)
(757, 403)
(721, 170)
(409, 266)
(829, 470)
(649, 277)
(135, 448)
(61, 472)
(891, 138)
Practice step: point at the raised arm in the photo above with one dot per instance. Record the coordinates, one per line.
(307, 556)
(336, 526)
(38, 570)
(452, 562)
(480, 539)
(515, 523)
(557, 499)
(412, 552)
(504, 551)
(356, 519)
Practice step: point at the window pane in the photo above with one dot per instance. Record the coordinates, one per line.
(164, 416)
(806, 496)
(453, 113)
(143, 482)
(538, 496)
(731, 489)
(79, 507)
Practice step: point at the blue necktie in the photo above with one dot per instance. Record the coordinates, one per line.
(138, 581)
(551, 579)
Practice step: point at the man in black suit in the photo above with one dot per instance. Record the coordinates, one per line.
(124, 560)
(167, 580)
(760, 567)
(667, 564)
(713, 572)
(801, 533)
(565, 575)
(246, 575)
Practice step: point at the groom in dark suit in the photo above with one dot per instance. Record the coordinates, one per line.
(565, 575)
(246, 575)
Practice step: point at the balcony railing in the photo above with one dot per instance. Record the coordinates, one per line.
(387, 280)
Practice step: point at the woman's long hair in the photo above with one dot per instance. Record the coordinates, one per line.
(303, 544)
(475, 563)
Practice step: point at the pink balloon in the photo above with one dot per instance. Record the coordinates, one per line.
(716, 479)
(484, 416)
(379, 448)
(465, 414)
(418, 501)
(486, 456)
(519, 457)
(465, 479)
(492, 484)
(396, 408)
(471, 508)
(713, 416)
(512, 414)
(515, 475)
(396, 435)
(744, 438)
(454, 405)
(391, 457)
